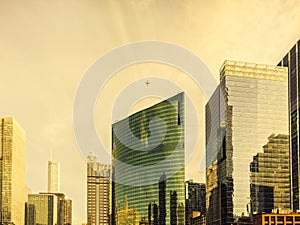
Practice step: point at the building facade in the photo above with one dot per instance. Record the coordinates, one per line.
(12, 172)
(43, 208)
(148, 161)
(64, 216)
(270, 176)
(195, 199)
(276, 218)
(98, 192)
(250, 104)
(53, 177)
(291, 60)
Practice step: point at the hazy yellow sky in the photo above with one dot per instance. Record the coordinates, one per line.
(47, 46)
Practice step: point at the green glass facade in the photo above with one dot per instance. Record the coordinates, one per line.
(148, 164)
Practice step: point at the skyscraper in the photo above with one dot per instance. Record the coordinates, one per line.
(270, 176)
(148, 161)
(53, 177)
(63, 208)
(43, 208)
(292, 61)
(98, 191)
(64, 215)
(250, 103)
(12, 172)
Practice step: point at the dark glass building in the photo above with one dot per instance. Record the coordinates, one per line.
(148, 164)
(249, 105)
(291, 60)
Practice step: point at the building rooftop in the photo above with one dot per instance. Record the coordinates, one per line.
(253, 70)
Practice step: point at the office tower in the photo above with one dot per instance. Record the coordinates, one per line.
(64, 216)
(148, 159)
(270, 176)
(291, 60)
(45, 208)
(12, 172)
(250, 103)
(195, 199)
(64, 208)
(98, 191)
(53, 177)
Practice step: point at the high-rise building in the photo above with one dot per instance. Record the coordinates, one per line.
(270, 176)
(148, 161)
(195, 199)
(63, 208)
(29, 214)
(98, 191)
(12, 172)
(64, 216)
(43, 208)
(292, 61)
(250, 103)
(53, 177)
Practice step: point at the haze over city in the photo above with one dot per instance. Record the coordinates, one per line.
(47, 47)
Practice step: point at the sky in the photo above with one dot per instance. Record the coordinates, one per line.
(46, 48)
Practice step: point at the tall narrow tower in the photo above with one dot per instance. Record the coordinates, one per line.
(292, 61)
(53, 177)
(12, 172)
(98, 191)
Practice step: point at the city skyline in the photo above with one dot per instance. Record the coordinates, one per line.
(46, 49)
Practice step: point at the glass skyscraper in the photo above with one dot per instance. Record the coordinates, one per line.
(249, 105)
(12, 172)
(148, 164)
(44, 209)
(291, 60)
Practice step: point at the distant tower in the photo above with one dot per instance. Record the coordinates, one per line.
(53, 177)
(64, 212)
(12, 172)
(42, 209)
(98, 191)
